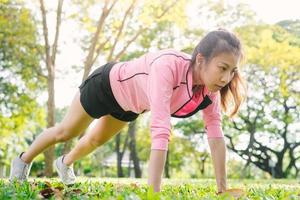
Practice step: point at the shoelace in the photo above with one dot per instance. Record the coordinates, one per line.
(70, 172)
(25, 171)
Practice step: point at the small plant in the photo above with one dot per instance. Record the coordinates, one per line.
(137, 189)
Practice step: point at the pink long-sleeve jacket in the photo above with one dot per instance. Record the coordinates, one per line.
(161, 82)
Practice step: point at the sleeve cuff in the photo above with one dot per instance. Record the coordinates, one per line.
(214, 132)
(160, 144)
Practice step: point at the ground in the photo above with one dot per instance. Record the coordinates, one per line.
(135, 189)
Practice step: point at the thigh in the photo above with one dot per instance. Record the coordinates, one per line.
(76, 119)
(104, 128)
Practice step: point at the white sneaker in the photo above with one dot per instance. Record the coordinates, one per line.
(19, 169)
(65, 172)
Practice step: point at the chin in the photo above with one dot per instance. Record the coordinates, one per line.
(213, 89)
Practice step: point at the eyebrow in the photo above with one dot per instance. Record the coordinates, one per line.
(228, 65)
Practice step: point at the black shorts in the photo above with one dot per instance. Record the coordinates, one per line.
(97, 99)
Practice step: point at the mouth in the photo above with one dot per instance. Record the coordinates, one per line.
(219, 87)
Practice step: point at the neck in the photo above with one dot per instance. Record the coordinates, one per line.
(196, 80)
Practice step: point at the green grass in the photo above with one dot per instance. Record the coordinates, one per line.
(134, 189)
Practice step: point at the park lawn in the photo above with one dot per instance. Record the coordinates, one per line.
(134, 189)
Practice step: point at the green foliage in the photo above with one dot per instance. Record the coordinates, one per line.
(143, 138)
(190, 126)
(267, 119)
(292, 26)
(214, 14)
(20, 82)
(137, 189)
(146, 21)
(272, 70)
(270, 46)
(191, 144)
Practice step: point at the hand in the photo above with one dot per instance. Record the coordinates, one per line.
(156, 167)
(235, 193)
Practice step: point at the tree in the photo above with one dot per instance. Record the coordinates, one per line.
(292, 26)
(133, 153)
(272, 111)
(222, 14)
(20, 78)
(121, 147)
(120, 152)
(268, 121)
(50, 64)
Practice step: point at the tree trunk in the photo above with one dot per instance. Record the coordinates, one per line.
(2, 170)
(167, 166)
(278, 172)
(203, 160)
(129, 165)
(132, 147)
(119, 156)
(50, 63)
(67, 147)
(49, 153)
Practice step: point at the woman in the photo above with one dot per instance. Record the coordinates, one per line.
(167, 83)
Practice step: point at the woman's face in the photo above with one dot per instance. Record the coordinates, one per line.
(217, 73)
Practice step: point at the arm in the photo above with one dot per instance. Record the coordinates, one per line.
(218, 153)
(156, 168)
(160, 93)
(212, 118)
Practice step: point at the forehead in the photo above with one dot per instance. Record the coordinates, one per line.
(227, 58)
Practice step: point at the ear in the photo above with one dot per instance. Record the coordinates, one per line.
(199, 59)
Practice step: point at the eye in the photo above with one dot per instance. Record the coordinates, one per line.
(223, 68)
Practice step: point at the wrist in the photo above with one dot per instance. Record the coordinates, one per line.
(156, 167)
(221, 184)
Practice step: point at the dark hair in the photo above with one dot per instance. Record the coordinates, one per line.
(213, 44)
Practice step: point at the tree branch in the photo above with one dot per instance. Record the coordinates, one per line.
(120, 30)
(231, 143)
(99, 49)
(45, 33)
(90, 56)
(264, 148)
(292, 162)
(58, 22)
(236, 127)
(141, 30)
(128, 43)
(111, 6)
(167, 9)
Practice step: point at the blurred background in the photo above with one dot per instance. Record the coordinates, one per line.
(48, 47)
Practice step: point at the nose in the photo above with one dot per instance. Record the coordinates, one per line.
(226, 78)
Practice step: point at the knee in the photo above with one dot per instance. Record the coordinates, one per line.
(62, 134)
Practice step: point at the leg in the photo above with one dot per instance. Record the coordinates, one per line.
(106, 127)
(73, 124)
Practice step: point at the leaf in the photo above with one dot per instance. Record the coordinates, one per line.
(47, 193)
(48, 184)
(60, 188)
(77, 191)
